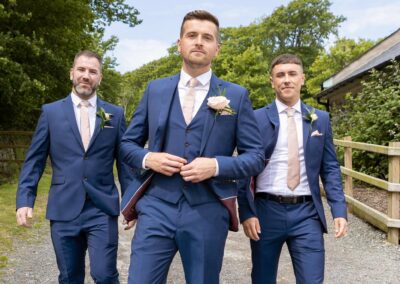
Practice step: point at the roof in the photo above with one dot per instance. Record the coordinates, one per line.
(376, 57)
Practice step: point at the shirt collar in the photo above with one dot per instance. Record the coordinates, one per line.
(204, 78)
(282, 107)
(77, 100)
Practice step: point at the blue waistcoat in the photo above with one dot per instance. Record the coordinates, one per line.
(184, 141)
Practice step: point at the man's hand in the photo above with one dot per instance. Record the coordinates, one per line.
(130, 224)
(24, 216)
(252, 228)
(164, 163)
(199, 169)
(340, 227)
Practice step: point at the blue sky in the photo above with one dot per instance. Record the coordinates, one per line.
(369, 19)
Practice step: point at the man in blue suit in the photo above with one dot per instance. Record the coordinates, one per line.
(81, 135)
(190, 201)
(287, 206)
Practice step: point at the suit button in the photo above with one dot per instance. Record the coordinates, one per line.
(187, 144)
(85, 157)
(187, 130)
(85, 178)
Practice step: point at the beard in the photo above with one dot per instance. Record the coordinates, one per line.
(84, 92)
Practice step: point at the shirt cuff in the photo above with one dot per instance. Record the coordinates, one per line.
(144, 161)
(216, 167)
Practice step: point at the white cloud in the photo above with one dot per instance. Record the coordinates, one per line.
(133, 53)
(371, 21)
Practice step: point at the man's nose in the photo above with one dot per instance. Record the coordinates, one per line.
(85, 75)
(286, 78)
(199, 40)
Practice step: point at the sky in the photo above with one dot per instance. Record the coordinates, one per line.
(368, 19)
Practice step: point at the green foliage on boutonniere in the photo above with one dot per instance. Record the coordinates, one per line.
(310, 116)
(220, 104)
(104, 116)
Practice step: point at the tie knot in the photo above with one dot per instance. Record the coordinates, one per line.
(193, 83)
(84, 103)
(290, 111)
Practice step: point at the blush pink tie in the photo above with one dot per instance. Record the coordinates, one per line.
(188, 101)
(293, 173)
(85, 125)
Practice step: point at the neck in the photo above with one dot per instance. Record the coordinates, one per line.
(195, 71)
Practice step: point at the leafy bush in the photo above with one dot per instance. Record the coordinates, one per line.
(372, 116)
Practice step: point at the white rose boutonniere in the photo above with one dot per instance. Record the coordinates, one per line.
(220, 104)
(104, 116)
(311, 116)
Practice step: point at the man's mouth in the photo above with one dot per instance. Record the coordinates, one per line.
(198, 51)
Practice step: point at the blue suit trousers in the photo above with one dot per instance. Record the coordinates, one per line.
(297, 225)
(92, 230)
(197, 232)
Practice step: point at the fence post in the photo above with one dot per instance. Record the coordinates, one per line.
(394, 197)
(348, 163)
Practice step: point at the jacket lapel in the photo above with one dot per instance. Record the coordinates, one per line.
(167, 94)
(100, 104)
(272, 115)
(70, 114)
(306, 127)
(215, 85)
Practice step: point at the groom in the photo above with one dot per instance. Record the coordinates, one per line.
(81, 135)
(190, 147)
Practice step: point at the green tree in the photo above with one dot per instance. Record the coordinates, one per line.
(38, 40)
(301, 27)
(342, 53)
(135, 82)
(372, 116)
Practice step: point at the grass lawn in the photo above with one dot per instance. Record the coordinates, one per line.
(9, 230)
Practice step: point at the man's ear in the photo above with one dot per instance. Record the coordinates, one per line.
(304, 79)
(178, 44)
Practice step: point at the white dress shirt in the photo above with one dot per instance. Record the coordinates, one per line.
(201, 90)
(92, 109)
(273, 178)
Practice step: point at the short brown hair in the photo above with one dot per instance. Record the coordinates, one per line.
(90, 54)
(203, 16)
(286, 58)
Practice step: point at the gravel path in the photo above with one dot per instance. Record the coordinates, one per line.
(362, 257)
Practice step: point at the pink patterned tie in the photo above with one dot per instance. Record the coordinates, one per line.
(85, 125)
(293, 173)
(188, 101)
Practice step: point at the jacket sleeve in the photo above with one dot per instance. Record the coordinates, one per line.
(132, 149)
(250, 159)
(331, 177)
(35, 163)
(124, 172)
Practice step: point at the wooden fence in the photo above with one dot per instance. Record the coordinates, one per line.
(14, 141)
(389, 222)
(19, 141)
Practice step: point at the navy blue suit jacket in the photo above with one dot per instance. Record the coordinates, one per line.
(320, 160)
(220, 136)
(75, 173)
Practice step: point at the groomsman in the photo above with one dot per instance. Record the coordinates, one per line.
(287, 206)
(81, 134)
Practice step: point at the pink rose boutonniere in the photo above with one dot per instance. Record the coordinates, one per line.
(220, 104)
